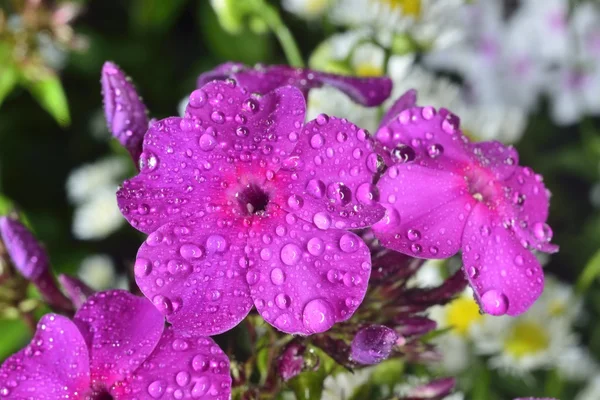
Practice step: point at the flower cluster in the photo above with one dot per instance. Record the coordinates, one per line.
(318, 225)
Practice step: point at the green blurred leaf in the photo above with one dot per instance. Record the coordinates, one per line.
(9, 78)
(590, 273)
(49, 92)
(155, 15)
(14, 335)
(309, 385)
(5, 205)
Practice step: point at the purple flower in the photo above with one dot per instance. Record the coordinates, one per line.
(436, 389)
(263, 79)
(77, 291)
(116, 346)
(373, 344)
(126, 115)
(244, 204)
(31, 260)
(459, 195)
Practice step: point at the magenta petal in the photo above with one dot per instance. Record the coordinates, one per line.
(407, 100)
(427, 210)
(306, 279)
(373, 344)
(368, 92)
(219, 73)
(25, 251)
(55, 364)
(500, 159)
(267, 125)
(180, 176)
(328, 177)
(125, 113)
(76, 290)
(506, 277)
(435, 136)
(186, 367)
(121, 330)
(196, 272)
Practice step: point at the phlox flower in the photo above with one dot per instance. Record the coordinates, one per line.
(459, 195)
(246, 205)
(116, 347)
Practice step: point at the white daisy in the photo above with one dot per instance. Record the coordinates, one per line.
(431, 22)
(99, 273)
(574, 87)
(309, 9)
(591, 391)
(342, 385)
(92, 189)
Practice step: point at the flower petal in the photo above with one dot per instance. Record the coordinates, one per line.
(407, 100)
(219, 73)
(195, 272)
(435, 136)
(328, 178)
(373, 344)
(368, 92)
(268, 125)
(121, 330)
(506, 277)
(182, 365)
(426, 210)
(500, 159)
(125, 113)
(305, 279)
(55, 364)
(180, 175)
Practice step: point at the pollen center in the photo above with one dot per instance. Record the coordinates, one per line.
(408, 7)
(461, 314)
(252, 199)
(482, 185)
(525, 339)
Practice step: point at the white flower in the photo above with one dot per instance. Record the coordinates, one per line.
(574, 87)
(431, 22)
(309, 9)
(591, 391)
(92, 189)
(482, 121)
(341, 386)
(98, 272)
(495, 60)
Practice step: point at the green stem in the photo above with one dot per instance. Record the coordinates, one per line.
(271, 17)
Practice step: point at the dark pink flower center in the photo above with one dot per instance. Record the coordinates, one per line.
(482, 185)
(101, 395)
(253, 200)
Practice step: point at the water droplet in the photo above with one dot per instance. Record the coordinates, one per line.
(190, 251)
(283, 301)
(494, 302)
(251, 277)
(433, 250)
(295, 202)
(403, 153)
(197, 98)
(200, 363)
(201, 387)
(163, 304)
(375, 163)
(472, 271)
(413, 235)
(266, 254)
(315, 188)
(315, 246)
(333, 275)
(322, 119)
(156, 389)
(339, 193)
(542, 231)
(290, 254)
(142, 267)
(519, 260)
(367, 194)
(216, 244)
(349, 243)
(416, 248)
(155, 238)
(322, 220)
(317, 141)
(182, 378)
(277, 276)
(207, 142)
(435, 150)
(318, 316)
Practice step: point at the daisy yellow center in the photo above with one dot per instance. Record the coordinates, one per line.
(526, 338)
(366, 69)
(556, 308)
(461, 314)
(408, 7)
(316, 6)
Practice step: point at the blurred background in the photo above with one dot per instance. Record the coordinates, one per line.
(523, 72)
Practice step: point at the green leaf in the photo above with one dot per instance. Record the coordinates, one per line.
(155, 15)
(9, 78)
(6, 205)
(590, 273)
(309, 385)
(48, 91)
(14, 336)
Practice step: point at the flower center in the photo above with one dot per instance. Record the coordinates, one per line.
(526, 338)
(252, 199)
(482, 186)
(101, 395)
(461, 314)
(408, 7)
